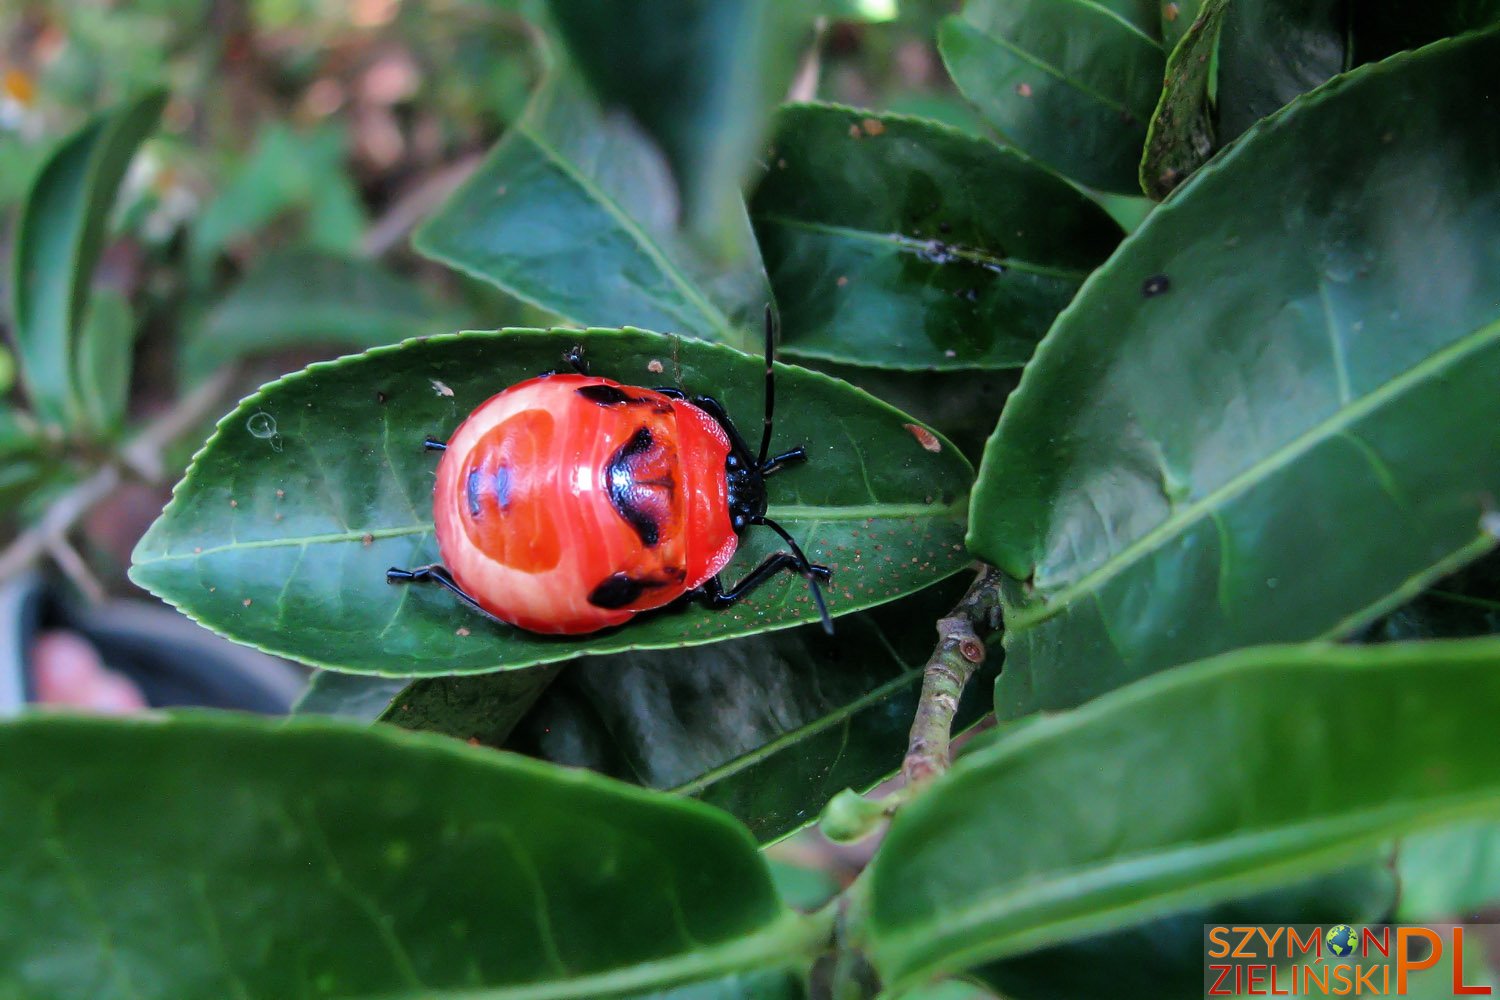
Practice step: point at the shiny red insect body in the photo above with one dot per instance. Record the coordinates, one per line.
(569, 503)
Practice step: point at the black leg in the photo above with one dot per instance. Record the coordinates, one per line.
(440, 576)
(776, 463)
(575, 359)
(670, 391)
(433, 444)
(713, 594)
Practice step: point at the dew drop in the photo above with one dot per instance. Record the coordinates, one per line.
(261, 425)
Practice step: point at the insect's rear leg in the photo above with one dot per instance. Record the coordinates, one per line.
(438, 574)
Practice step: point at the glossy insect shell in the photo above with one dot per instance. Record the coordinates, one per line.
(568, 503)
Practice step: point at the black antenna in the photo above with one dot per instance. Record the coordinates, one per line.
(765, 435)
(805, 569)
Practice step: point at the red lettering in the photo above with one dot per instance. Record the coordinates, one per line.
(1382, 944)
(1295, 944)
(1218, 989)
(1458, 968)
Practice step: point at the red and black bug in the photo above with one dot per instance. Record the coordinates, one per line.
(568, 503)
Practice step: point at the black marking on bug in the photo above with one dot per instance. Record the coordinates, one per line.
(625, 486)
(620, 589)
(480, 483)
(605, 395)
(1155, 285)
(613, 395)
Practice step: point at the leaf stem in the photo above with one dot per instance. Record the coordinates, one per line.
(959, 653)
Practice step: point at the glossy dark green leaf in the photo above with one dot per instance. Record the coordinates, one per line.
(1271, 51)
(1181, 137)
(220, 856)
(58, 240)
(482, 709)
(768, 728)
(348, 696)
(575, 212)
(1450, 873)
(1247, 430)
(106, 344)
(1145, 15)
(282, 531)
(899, 243)
(1222, 778)
(309, 298)
(700, 79)
(962, 406)
(1162, 959)
(1069, 82)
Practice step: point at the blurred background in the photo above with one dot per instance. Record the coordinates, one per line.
(264, 225)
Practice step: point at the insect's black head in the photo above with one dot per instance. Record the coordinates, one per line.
(747, 490)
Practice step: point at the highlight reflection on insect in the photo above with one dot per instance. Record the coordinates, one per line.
(568, 503)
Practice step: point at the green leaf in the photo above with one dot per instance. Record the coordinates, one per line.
(899, 243)
(278, 860)
(303, 297)
(1450, 873)
(106, 346)
(962, 406)
(286, 171)
(1465, 604)
(768, 728)
(19, 162)
(700, 79)
(1271, 51)
(1193, 463)
(282, 531)
(575, 212)
(59, 238)
(1302, 758)
(1162, 959)
(1181, 137)
(22, 464)
(482, 710)
(803, 888)
(1069, 82)
(348, 696)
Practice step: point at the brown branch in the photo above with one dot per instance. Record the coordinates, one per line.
(960, 651)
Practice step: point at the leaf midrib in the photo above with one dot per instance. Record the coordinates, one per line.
(689, 289)
(787, 512)
(1191, 514)
(911, 244)
(1055, 72)
(1347, 832)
